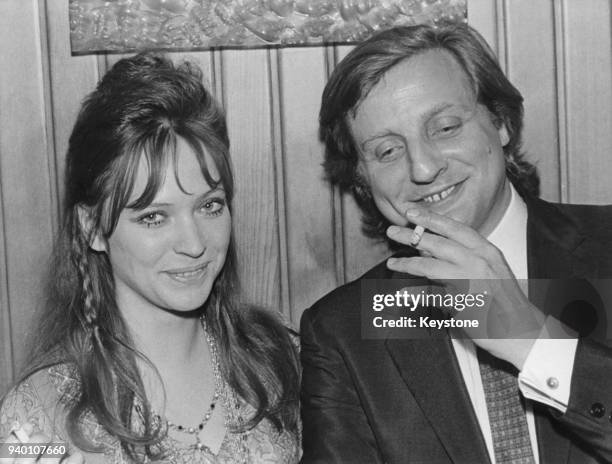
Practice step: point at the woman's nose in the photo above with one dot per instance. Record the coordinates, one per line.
(190, 239)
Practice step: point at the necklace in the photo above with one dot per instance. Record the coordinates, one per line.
(195, 431)
(231, 403)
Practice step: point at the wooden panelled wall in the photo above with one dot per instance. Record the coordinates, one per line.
(297, 237)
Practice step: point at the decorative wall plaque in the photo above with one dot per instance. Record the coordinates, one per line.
(127, 25)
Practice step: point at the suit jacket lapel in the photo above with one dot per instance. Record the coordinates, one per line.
(431, 373)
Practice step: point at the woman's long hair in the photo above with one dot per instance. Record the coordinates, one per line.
(140, 108)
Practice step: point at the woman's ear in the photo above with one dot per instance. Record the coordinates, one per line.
(96, 241)
(504, 136)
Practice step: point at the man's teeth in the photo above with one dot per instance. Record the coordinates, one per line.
(439, 196)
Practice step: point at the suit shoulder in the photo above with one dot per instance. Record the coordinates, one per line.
(344, 301)
(588, 212)
(592, 220)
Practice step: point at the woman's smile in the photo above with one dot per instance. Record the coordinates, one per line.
(188, 275)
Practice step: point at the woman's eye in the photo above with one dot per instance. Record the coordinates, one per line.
(151, 219)
(214, 206)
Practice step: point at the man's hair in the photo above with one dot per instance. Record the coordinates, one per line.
(356, 75)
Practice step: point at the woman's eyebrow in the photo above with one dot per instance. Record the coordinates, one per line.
(212, 191)
(162, 204)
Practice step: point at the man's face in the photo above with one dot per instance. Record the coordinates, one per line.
(424, 140)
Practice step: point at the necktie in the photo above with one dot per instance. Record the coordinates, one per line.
(506, 412)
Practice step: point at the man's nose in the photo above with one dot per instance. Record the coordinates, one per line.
(189, 237)
(426, 162)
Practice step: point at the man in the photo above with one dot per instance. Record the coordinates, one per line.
(424, 128)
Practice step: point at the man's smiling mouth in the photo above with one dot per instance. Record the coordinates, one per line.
(433, 198)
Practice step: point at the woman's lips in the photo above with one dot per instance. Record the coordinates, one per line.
(188, 274)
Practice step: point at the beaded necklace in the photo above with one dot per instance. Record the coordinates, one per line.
(195, 431)
(198, 428)
(233, 417)
(230, 400)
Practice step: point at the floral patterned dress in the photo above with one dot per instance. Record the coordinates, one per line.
(42, 398)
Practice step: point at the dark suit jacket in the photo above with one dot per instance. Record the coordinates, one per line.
(404, 401)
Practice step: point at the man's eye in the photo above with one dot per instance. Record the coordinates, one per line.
(392, 153)
(446, 128)
(152, 219)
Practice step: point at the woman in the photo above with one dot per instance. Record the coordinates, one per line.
(143, 352)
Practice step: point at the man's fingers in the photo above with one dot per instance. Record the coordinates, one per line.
(432, 245)
(445, 226)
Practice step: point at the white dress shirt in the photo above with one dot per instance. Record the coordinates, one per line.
(547, 371)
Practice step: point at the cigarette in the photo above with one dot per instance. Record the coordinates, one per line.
(21, 434)
(417, 235)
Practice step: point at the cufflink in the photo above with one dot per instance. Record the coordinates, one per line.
(552, 382)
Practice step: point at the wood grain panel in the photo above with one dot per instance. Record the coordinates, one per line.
(71, 79)
(309, 211)
(530, 45)
(501, 10)
(483, 16)
(6, 346)
(28, 211)
(589, 100)
(561, 94)
(280, 185)
(246, 90)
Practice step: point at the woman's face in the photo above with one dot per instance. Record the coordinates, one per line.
(169, 254)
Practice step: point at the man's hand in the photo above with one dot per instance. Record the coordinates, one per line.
(450, 250)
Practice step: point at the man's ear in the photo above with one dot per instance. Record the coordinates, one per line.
(96, 241)
(504, 136)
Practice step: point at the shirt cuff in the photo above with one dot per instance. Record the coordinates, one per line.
(547, 372)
